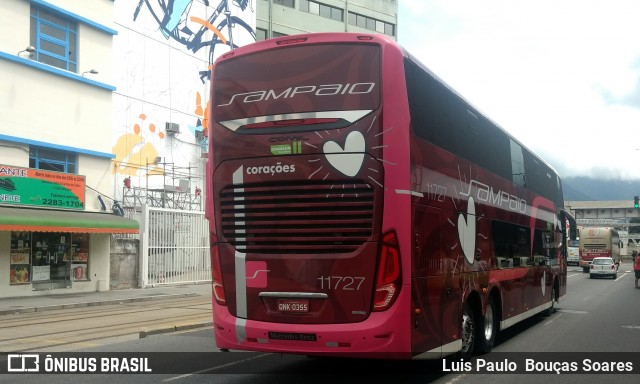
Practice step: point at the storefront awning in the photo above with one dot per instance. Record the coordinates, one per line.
(45, 220)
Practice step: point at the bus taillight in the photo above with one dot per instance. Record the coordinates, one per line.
(389, 276)
(216, 275)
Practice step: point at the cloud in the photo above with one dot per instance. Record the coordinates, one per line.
(562, 77)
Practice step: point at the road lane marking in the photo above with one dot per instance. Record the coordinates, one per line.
(577, 274)
(552, 319)
(620, 277)
(456, 379)
(572, 311)
(214, 368)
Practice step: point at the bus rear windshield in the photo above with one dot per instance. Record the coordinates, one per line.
(298, 79)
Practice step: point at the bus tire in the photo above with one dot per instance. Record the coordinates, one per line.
(468, 333)
(549, 311)
(487, 330)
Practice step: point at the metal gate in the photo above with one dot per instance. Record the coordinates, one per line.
(175, 247)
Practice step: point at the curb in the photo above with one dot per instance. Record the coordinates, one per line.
(45, 308)
(175, 328)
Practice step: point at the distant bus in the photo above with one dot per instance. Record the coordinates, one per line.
(573, 247)
(360, 207)
(598, 242)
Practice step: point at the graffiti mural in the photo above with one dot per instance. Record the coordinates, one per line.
(136, 149)
(164, 53)
(176, 21)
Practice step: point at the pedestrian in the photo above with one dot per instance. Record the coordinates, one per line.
(636, 269)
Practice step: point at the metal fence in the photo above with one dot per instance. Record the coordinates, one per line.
(175, 247)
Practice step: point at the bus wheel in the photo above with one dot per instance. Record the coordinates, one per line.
(487, 333)
(468, 333)
(549, 311)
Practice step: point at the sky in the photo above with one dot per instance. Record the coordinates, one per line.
(563, 76)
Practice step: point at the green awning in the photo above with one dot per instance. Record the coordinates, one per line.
(47, 220)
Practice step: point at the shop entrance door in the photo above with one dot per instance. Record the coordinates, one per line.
(51, 268)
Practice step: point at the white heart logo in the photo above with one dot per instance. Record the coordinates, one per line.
(467, 231)
(347, 160)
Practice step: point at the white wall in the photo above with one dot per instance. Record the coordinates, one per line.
(59, 109)
(45, 107)
(98, 178)
(158, 81)
(14, 154)
(14, 37)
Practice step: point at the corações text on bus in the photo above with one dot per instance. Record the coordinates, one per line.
(271, 169)
(316, 90)
(486, 194)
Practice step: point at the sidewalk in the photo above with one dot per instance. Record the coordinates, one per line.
(54, 301)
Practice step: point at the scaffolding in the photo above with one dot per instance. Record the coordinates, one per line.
(172, 196)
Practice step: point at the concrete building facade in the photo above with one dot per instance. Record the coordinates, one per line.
(56, 123)
(287, 17)
(619, 214)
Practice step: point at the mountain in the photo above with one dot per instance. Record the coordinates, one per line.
(589, 189)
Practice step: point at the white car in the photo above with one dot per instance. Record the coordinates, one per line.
(603, 267)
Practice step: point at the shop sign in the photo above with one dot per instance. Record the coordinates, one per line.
(19, 257)
(35, 187)
(41, 272)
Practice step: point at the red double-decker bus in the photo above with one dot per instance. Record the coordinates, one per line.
(358, 206)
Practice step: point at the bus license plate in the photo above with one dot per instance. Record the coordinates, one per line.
(293, 305)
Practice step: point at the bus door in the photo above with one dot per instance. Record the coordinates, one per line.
(436, 293)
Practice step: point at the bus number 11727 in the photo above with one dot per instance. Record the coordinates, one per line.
(345, 283)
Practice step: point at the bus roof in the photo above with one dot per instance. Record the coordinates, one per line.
(310, 38)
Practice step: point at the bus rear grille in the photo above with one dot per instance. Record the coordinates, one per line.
(297, 217)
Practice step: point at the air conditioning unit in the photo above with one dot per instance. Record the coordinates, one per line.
(184, 185)
(172, 128)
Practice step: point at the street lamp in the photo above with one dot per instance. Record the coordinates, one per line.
(29, 49)
(91, 71)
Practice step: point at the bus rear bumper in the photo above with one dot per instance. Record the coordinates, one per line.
(376, 337)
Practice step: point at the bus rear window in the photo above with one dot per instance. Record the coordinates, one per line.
(315, 78)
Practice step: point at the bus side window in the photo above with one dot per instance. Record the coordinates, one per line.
(511, 243)
(558, 243)
(538, 240)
